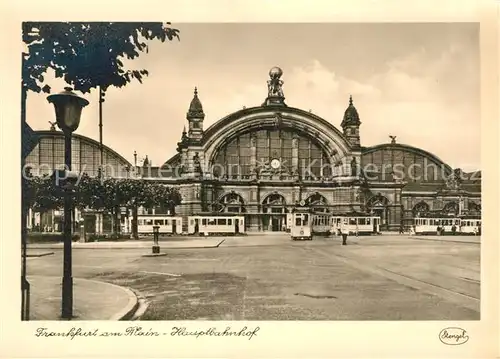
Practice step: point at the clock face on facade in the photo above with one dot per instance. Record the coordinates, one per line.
(275, 163)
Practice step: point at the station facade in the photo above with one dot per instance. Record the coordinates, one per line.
(266, 160)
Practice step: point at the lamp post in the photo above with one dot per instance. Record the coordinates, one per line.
(68, 107)
(156, 233)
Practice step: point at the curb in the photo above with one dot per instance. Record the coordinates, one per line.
(39, 255)
(132, 305)
(154, 255)
(126, 247)
(142, 306)
(217, 246)
(443, 240)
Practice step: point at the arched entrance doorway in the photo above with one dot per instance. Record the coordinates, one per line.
(450, 208)
(378, 207)
(317, 203)
(274, 213)
(474, 209)
(231, 203)
(420, 209)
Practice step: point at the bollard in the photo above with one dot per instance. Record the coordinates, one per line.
(156, 233)
(82, 233)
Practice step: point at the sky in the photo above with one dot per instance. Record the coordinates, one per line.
(419, 82)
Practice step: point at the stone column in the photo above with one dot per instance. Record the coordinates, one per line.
(127, 222)
(252, 218)
(184, 161)
(78, 215)
(29, 224)
(203, 164)
(295, 154)
(465, 203)
(252, 209)
(53, 222)
(253, 154)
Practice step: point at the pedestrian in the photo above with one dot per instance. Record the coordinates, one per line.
(401, 229)
(453, 230)
(475, 231)
(438, 230)
(344, 232)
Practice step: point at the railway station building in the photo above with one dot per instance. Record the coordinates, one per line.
(266, 160)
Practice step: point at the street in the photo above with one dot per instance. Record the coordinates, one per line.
(272, 278)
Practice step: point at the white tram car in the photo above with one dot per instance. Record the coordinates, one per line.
(326, 224)
(470, 226)
(429, 225)
(167, 224)
(211, 224)
(363, 225)
(301, 226)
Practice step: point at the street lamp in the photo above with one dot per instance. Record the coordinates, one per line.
(156, 233)
(68, 107)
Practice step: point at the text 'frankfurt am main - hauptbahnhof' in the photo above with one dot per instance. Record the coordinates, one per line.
(264, 161)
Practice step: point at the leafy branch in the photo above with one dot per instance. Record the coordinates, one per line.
(88, 54)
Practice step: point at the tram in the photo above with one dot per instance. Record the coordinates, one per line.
(326, 224)
(301, 226)
(216, 224)
(470, 225)
(167, 224)
(362, 225)
(462, 225)
(431, 225)
(321, 223)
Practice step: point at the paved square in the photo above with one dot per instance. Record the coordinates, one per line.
(272, 278)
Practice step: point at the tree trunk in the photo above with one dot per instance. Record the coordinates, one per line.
(135, 211)
(73, 224)
(117, 215)
(172, 210)
(112, 221)
(33, 219)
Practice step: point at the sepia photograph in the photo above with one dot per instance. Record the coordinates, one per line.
(242, 180)
(170, 175)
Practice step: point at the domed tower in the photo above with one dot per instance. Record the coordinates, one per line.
(195, 116)
(350, 125)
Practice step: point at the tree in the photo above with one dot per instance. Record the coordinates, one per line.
(109, 195)
(41, 195)
(87, 54)
(134, 193)
(90, 193)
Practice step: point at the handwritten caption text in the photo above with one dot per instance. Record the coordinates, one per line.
(137, 331)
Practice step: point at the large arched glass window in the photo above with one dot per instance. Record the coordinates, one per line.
(234, 158)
